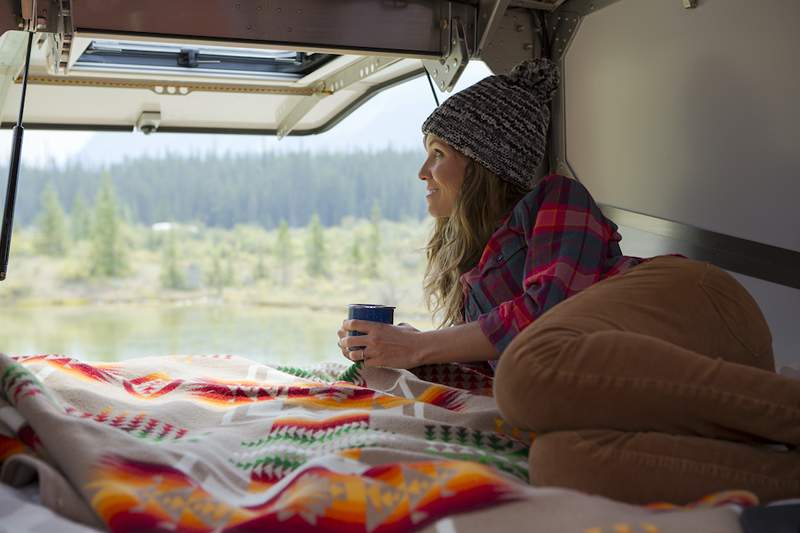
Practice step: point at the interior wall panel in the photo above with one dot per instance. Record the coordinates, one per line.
(691, 114)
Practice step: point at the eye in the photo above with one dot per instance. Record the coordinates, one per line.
(438, 154)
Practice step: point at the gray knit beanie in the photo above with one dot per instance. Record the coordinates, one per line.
(501, 121)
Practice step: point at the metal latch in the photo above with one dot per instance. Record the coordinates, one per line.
(445, 71)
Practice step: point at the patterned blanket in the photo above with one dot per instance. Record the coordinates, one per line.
(226, 444)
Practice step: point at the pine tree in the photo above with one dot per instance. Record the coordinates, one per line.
(216, 278)
(108, 254)
(171, 276)
(356, 257)
(229, 276)
(80, 218)
(260, 271)
(373, 259)
(284, 251)
(315, 248)
(52, 236)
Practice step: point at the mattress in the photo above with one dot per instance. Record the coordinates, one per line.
(22, 512)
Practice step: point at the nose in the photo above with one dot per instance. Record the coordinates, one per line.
(424, 174)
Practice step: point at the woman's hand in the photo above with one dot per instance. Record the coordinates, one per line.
(383, 345)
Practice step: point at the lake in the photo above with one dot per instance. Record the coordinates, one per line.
(119, 332)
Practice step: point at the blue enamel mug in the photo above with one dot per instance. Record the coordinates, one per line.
(371, 312)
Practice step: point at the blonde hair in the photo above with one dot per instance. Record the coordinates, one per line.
(457, 241)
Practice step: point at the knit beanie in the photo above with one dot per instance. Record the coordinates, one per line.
(502, 120)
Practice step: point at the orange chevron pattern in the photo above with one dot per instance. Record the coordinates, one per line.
(135, 496)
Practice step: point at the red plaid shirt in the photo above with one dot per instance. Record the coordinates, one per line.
(554, 243)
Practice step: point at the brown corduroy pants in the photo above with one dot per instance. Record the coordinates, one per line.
(655, 385)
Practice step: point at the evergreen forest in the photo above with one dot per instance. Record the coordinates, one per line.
(301, 229)
(222, 191)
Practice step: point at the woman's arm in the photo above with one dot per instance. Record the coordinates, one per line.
(568, 245)
(405, 347)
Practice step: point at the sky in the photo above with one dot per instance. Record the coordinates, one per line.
(376, 124)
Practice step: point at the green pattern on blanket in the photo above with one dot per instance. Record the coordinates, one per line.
(503, 453)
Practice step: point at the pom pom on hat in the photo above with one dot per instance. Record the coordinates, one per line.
(540, 76)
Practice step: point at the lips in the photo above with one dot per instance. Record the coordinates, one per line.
(431, 191)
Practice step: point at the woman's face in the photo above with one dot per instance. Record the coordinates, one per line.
(443, 173)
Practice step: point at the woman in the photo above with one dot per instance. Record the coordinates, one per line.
(645, 379)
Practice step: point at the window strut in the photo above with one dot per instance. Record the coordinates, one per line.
(13, 171)
(433, 89)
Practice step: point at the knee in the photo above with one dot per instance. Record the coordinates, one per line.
(742, 317)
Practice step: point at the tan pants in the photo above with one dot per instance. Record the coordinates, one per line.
(654, 385)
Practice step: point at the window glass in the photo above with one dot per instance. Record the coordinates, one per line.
(129, 245)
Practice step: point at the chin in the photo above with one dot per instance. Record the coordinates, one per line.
(437, 211)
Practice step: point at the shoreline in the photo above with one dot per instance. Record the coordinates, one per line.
(207, 301)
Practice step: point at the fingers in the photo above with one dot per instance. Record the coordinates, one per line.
(361, 326)
(357, 341)
(356, 356)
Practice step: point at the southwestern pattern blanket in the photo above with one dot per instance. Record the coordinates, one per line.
(221, 443)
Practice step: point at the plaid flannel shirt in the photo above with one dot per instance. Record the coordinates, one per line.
(554, 243)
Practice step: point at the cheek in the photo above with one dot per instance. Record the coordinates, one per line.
(449, 176)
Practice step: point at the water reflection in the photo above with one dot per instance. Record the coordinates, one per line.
(113, 333)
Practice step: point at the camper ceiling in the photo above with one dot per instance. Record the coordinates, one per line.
(276, 67)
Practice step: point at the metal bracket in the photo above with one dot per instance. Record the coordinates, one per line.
(292, 112)
(63, 38)
(561, 27)
(516, 39)
(490, 13)
(446, 70)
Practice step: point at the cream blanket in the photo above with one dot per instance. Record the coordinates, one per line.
(226, 444)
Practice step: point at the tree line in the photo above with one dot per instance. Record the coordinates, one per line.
(230, 189)
(103, 227)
